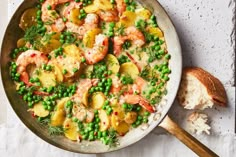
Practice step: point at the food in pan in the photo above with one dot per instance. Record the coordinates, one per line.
(90, 69)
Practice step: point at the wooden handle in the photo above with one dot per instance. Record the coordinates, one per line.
(196, 146)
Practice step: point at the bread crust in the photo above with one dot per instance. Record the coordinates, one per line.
(214, 87)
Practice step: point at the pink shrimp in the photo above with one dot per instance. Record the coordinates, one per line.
(91, 21)
(73, 5)
(116, 84)
(108, 16)
(121, 6)
(49, 14)
(99, 50)
(137, 99)
(26, 58)
(133, 34)
(80, 112)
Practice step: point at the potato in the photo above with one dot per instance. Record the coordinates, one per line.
(98, 5)
(112, 63)
(73, 16)
(155, 31)
(130, 69)
(128, 18)
(28, 18)
(59, 115)
(85, 98)
(89, 37)
(105, 122)
(39, 110)
(103, 4)
(21, 42)
(58, 73)
(73, 51)
(97, 100)
(143, 13)
(70, 129)
(50, 45)
(91, 8)
(118, 123)
(130, 117)
(47, 79)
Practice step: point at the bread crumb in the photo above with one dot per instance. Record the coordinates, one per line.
(197, 123)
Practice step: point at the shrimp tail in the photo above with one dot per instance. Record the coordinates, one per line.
(146, 106)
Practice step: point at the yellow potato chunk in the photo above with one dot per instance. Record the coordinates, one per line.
(50, 45)
(97, 100)
(47, 79)
(98, 5)
(59, 115)
(73, 16)
(73, 51)
(71, 130)
(28, 18)
(103, 4)
(39, 110)
(155, 31)
(112, 63)
(130, 117)
(105, 122)
(130, 69)
(58, 73)
(85, 98)
(21, 42)
(89, 37)
(143, 13)
(118, 123)
(128, 18)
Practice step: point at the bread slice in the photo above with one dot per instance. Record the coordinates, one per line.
(197, 123)
(200, 90)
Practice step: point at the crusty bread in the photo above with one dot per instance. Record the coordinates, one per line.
(197, 123)
(200, 90)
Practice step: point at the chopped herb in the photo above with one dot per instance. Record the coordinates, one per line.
(55, 130)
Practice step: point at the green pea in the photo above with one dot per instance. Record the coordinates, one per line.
(146, 113)
(74, 119)
(138, 108)
(75, 70)
(104, 134)
(145, 120)
(125, 106)
(85, 137)
(126, 1)
(134, 125)
(167, 56)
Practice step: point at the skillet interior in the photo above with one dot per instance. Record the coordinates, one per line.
(13, 33)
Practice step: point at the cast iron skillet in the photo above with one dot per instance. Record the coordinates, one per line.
(160, 118)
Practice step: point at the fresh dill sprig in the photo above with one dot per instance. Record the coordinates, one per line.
(31, 34)
(121, 30)
(113, 141)
(56, 130)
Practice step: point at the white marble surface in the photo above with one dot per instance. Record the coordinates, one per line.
(206, 32)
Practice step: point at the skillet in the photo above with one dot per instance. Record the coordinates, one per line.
(160, 118)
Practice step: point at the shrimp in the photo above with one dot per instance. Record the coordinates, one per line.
(26, 58)
(91, 21)
(99, 51)
(83, 114)
(108, 16)
(121, 6)
(50, 15)
(73, 5)
(133, 34)
(69, 63)
(116, 84)
(138, 99)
